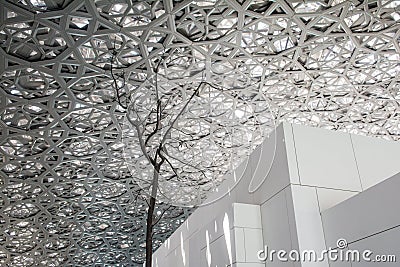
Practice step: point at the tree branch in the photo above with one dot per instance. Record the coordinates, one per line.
(161, 215)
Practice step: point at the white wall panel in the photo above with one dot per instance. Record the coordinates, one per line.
(276, 226)
(328, 198)
(308, 222)
(275, 177)
(239, 244)
(367, 213)
(253, 243)
(246, 215)
(291, 153)
(325, 159)
(377, 159)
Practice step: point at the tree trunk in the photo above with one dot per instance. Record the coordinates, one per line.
(150, 218)
(149, 232)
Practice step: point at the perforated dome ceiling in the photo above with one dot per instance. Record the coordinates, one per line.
(66, 196)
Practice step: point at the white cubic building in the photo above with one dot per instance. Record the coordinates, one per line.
(304, 189)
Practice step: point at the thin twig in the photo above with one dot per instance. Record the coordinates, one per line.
(117, 88)
(161, 215)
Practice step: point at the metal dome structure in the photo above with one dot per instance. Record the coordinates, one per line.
(68, 66)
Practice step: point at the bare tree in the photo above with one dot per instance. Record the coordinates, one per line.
(181, 138)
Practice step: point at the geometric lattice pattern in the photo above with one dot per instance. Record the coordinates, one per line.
(66, 196)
